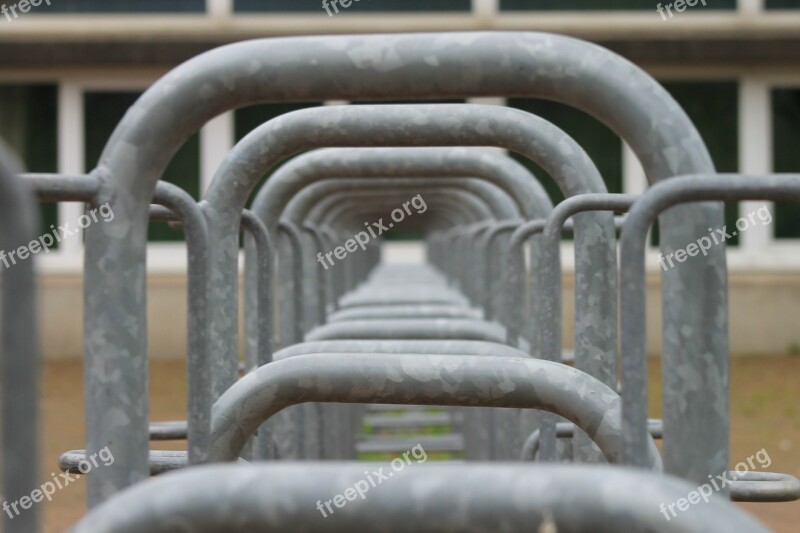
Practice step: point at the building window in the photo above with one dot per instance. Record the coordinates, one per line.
(602, 145)
(781, 4)
(247, 119)
(29, 126)
(605, 5)
(786, 156)
(359, 6)
(103, 111)
(122, 6)
(713, 107)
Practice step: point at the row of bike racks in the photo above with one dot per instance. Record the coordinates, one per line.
(475, 332)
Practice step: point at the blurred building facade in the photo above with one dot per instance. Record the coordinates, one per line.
(69, 69)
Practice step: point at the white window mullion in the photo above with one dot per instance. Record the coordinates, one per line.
(216, 140)
(71, 160)
(750, 7)
(755, 153)
(634, 180)
(487, 9)
(219, 8)
(490, 100)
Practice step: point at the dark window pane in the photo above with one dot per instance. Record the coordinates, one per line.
(249, 118)
(103, 111)
(605, 5)
(786, 156)
(29, 125)
(602, 145)
(782, 4)
(714, 109)
(360, 6)
(121, 6)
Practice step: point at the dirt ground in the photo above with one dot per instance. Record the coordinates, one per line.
(765, 408)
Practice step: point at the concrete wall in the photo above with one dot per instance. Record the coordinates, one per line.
(764, 314)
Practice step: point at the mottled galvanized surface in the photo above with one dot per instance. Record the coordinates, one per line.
(566, 430)
(419, 379)
(246, 164)
(259, 308)
(409, 328)
(406, 311)
(492, 247)
(440, 205)
(343, 201)
(690, 384)
(418, 125)
(763, 487)
(361, 67)
(291, 322)
(174, 204)
(421, 498)
(19, 347)
(329, 198)
(198, 356)
(595, 331)
(259, 304)
(432, 347)
(174, 430)
(341, 164)
(61, 188)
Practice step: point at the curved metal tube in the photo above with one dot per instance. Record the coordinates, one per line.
(19, 346)
(347, 163)
(432, 347)
(763, 487)
(566, 430)
(282, 497)
(409, 328)
(418, 379)
(333, 198)
(484, 248)
(178, 206)
(258, 297)
(330, 218)
(316, 199)
(52, 188)
(405, 311)
(198, 357)
(292, 330)
(784, 188)
(589, 354)
(245, 165)
(440, 203)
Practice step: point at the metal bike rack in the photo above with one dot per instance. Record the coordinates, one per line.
(360, 378)
(314, 202)
(651, 204)
(488, 497)
(424, 67)
(473, 333)
(174, 205)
